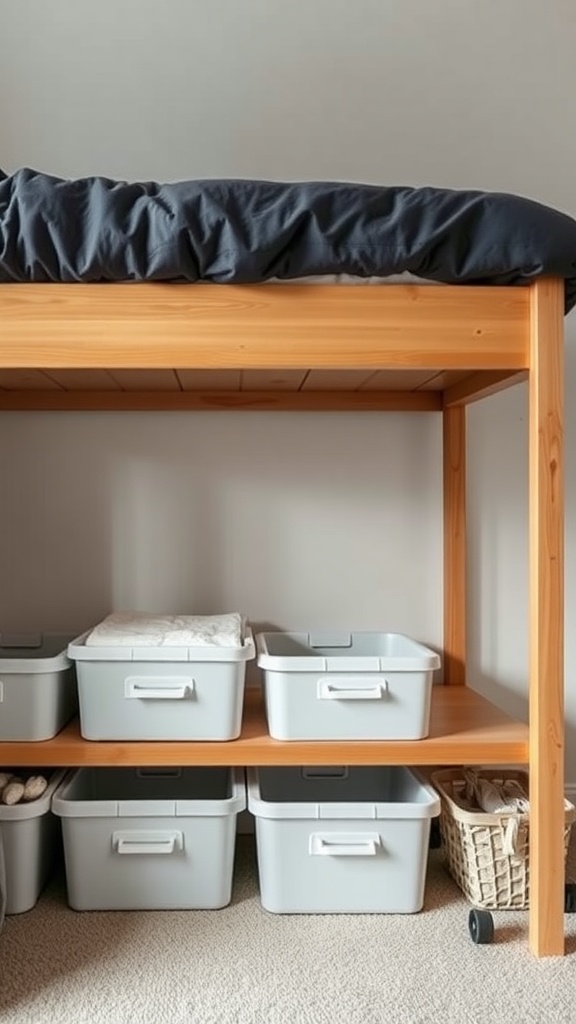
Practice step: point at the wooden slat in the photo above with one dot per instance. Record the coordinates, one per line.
(482, 385)
(209, 380)
(445, 379)
(146, 380)
(173, 401)
(84, 380)
(272, 380)
(397, 380)
(454, 486)
(546, 461)
(464, 727)
(338, 380)
(263, 326)
(27, 380)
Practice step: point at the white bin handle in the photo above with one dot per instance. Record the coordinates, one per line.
(331, 845)
(333, 691)
(159, 688)
(137, 841)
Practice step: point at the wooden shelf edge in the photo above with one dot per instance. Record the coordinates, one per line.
(223, 401)
(465, 728)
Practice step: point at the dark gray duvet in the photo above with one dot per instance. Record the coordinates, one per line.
(97, 229)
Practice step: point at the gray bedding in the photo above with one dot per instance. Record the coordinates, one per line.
(97, 229)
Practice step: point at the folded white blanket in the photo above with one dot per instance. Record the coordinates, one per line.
(137, 629)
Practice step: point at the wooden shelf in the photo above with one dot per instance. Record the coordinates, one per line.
(464, 728)
(160, 346)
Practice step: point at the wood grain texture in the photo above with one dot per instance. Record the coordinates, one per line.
(546, 531)
(233, 401)
(262, 326)
(481, 385)
(454, 488)
(464, 727)
(245, 380)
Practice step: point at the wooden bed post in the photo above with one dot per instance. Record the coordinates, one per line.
(546, 501)
(454, 484)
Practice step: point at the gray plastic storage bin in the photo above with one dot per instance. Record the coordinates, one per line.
(341, 840)
(346, 686)
(37, 686)
(161, 693)
(30, 836)
(149, 838)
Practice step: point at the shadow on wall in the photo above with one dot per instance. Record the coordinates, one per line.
(516, 705)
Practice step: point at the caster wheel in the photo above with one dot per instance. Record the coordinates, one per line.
(570, 898)
(435, 841)
(481, 926)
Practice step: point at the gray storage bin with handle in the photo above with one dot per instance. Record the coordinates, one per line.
(150, 838)
(29, 845)
(38, 693)
(334, 685)
(341, 840)
(161, 693)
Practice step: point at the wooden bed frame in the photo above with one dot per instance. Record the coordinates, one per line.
(335, 347)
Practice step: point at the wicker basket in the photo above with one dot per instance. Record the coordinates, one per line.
(487, 854)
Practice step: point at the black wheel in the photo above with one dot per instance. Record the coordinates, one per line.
(481, 926)
(570, 898)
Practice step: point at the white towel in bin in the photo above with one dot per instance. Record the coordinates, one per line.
(137, 629)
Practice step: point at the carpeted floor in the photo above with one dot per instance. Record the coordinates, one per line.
(242, 965)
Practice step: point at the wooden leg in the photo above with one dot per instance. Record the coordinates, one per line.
(454, 479)
(546, 457)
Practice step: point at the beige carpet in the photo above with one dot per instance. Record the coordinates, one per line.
(242, 965)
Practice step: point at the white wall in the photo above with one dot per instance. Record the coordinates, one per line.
(297, 519)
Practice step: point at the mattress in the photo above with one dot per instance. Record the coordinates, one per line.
(96, 229)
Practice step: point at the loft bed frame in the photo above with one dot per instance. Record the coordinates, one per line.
(336, 347)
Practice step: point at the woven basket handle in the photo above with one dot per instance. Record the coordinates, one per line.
(515, 835)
